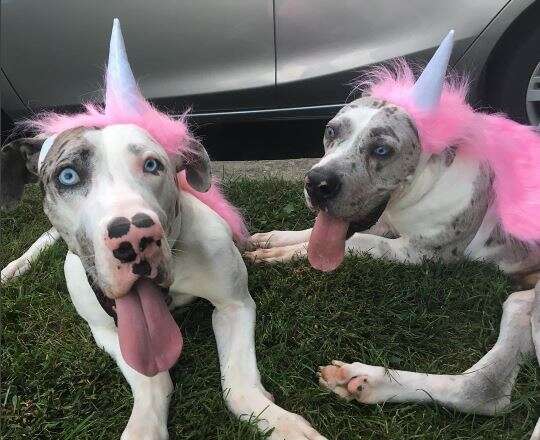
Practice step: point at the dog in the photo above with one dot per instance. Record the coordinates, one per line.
(141, 244)
(412, 203)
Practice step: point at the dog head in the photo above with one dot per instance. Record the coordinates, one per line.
(112, 194)
(372, 148)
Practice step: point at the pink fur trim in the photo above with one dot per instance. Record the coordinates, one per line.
(214, 199)
(512, 150)
(172, 134)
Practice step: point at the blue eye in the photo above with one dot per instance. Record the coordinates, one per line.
(382, 151)
(68, 177)
(151, 165)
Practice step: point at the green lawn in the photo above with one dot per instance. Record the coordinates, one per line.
(56, 384)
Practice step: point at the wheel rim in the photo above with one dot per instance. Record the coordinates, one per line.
(533, 97)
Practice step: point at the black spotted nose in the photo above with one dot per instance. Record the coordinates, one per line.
(322, 184)
(142, 220)
(118, 227)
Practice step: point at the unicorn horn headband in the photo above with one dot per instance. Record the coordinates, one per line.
(121, 87)
(427, 89)
(120, 81)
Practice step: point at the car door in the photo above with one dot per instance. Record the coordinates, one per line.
(321, 46)
(215, 56)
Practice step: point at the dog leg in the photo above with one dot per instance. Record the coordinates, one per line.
(22, 264)
(483, 389)
(234, 325)
(274, 239)
(278, 254)
(394, 249)
(151, 395)
(535, 324)
(233, 321)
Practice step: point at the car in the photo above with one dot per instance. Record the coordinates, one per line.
(241, 60)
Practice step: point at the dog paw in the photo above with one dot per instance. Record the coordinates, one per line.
(269, 239)
(277, 254)
(144, 431)
(273, 239)
(14, 269)
(289, 426)
(361, 382)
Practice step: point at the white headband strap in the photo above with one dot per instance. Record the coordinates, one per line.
(45, 149)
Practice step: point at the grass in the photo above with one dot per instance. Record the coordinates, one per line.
(439, 318)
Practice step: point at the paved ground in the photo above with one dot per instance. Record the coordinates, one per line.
(290, 169)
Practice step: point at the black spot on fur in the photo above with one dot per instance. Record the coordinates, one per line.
(145, 241)
(142, 220)
(135, 149)
(384, 131)
(125, 252)
(142, 269)
(449, 155)
(454, 251)
(378, 104)
(389, 111)
(158, 243)
(118, 227)
(412, 127)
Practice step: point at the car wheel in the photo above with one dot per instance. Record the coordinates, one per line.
(513, 78)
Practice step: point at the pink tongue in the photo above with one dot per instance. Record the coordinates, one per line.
(326, 247)
(150, 340)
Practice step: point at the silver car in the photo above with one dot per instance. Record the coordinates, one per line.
(246, 59)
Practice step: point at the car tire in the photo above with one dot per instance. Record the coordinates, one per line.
(510, 74)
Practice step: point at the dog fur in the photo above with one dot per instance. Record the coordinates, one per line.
(196, 258)
(410, 206)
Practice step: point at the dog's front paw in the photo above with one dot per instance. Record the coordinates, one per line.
(14, 269)
(364, 383)
(278, 254)
(269, 239)
(289, 426)
(144, 430)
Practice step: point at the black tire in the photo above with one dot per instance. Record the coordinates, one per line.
(512, 65)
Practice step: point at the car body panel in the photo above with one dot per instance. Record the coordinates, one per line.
(319, 43)
(231, 60)
(54, 55)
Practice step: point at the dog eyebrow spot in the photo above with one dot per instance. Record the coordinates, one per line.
(135, 149)
(142, 269)
(118, 227)
(125, 252)
(384, 131)
(142, 220)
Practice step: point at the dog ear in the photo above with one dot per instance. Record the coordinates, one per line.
(18, 166)
(197, 166)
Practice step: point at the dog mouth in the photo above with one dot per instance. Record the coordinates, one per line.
(149, 337)
(326, 248)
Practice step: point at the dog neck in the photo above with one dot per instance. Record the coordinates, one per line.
(436, 192)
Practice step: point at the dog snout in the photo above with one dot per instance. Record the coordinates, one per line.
(136, 249)
(322, 184)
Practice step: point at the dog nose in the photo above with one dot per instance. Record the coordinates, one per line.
(322, 184)
(120, 226)
(136, 238)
